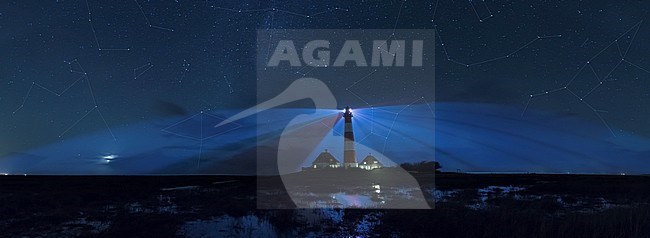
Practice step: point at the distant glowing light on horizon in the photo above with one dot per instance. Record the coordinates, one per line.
(109, 158)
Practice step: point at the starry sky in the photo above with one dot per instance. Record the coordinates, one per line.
(72, 67)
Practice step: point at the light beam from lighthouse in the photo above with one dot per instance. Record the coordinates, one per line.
(349, 155)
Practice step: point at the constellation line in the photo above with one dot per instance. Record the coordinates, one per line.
(147, 19)
(146, 67)
(84, 76)
(601, 80)
(508, 55)
(92, 27)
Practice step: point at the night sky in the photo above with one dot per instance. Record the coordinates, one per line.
(73, 67)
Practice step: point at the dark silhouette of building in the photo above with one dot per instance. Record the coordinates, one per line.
(325, 160)
(370, 163)
(349, 155)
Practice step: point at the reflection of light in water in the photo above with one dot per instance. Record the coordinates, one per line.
(369, 196)
(353, 200)
(377, 188)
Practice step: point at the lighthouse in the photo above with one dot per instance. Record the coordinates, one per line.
(349, 156)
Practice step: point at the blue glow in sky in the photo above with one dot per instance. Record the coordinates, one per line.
(469, 137)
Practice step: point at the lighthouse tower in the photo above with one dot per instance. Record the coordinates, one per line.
(349, 156)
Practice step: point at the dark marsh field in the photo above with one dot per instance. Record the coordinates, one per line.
(466, 205)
